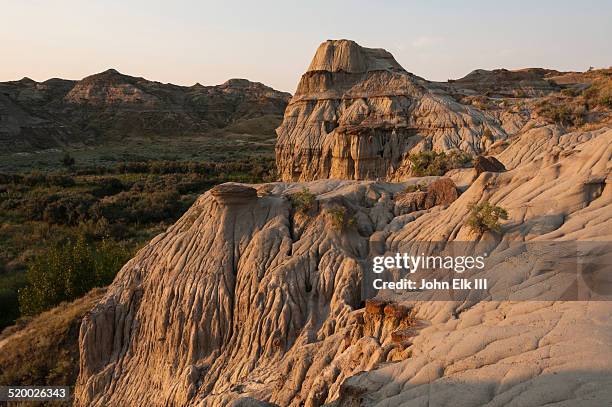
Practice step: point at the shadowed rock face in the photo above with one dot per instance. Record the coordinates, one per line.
(259, 301)
(492, 164)
(356, 114)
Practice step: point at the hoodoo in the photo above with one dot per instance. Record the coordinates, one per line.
(357, 113)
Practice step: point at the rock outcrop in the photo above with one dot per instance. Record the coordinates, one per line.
(356, 113)
(249, 303)
(233, 194)
(506, 83)
(441, 192)
(264, 295)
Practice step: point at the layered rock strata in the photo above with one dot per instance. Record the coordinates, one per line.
(356, 114)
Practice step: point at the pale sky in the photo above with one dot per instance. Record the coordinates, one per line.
(185, 42)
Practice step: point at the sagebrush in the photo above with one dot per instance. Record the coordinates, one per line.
(485, 217)
(303, 201)
(340, 217)
(429, 163)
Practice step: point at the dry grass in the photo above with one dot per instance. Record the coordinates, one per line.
(584, 106)
(44, 350)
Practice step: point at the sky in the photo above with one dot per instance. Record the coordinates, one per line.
(272, 42)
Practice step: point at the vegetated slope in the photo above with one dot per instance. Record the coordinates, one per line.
(250, 296)
(44, 350)
(112, 106)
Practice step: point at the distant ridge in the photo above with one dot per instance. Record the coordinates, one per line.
(111, 105)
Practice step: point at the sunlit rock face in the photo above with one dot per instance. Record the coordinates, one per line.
(252, 297)
(356, 114)
(248, 298)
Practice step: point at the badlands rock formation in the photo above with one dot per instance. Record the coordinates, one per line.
(356, 114)
(107, 105)
(263, 295)
(253, 301)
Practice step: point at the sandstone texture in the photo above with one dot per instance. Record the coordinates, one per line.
(356, 114)
(258, 303)
(233, 194)
(263, 294)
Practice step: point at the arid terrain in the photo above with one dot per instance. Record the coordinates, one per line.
(258, 294)
(110, 117)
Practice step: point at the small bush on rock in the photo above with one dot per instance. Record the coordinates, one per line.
(303, 201)
(340, 218)
(428, 163)
(485, 216)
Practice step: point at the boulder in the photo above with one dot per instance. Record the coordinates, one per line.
(488, 164)
(233, 194)
(407, 202)
(441, 192)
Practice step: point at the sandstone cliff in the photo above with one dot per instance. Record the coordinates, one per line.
(249, 298)
(356, 114)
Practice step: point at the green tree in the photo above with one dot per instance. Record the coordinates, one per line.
(68, 271)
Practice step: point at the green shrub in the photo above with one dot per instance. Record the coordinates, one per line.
(67, 209)
(428, 163)
(340, 217)
(599, 93)
(485, 216)
(106, 186)
(68, 271)
(34, 178)
(303, 201)
(571, 92)
(563, 112)
(10, 283)
(67, 160)
(140, 207)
